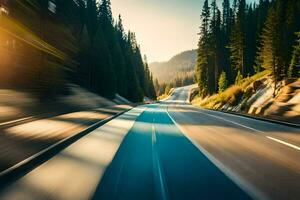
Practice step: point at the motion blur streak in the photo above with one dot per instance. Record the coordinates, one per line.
(32, 54)
(14, 29)
(76, 171)
(19, 142)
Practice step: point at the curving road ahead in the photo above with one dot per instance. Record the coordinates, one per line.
(171, 150)
(262, 157)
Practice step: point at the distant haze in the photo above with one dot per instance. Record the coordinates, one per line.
(163, 27)
(181, 65)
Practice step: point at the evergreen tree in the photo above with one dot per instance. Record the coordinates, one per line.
(148, 83)
(287, 11)
(223, 82)
(84, 73)
(203, 51)
(227, 23)
(152, 88)
(235, 7)
(118, 62)
(237, 41)
(250, 41)
(137, 62)
(215, 40)
(270, 51)
(103, 74)
(92, 18)
(238, 78)
(105, 15)
(294, 69)
(261, 15)
(135, 93)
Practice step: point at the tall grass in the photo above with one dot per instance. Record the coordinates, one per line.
(232, 95)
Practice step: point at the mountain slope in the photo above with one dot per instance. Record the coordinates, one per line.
(180, 65)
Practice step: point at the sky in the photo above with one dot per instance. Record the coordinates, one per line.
(163, 28)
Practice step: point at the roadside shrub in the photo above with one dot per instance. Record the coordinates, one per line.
(233, 94)
(249, 80)
(248, 92)
(223, 83)
(239, 78)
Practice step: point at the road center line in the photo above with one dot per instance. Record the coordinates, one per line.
(153, 132)
(253, 129)
(285, 143)
(271, 138)
(242, 183)
(157, 165)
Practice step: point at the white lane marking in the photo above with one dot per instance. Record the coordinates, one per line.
(244, 126)
(153, 133)
(285, 143)
(17, 120)
(271, 138)
(157, 164)
(242, 183)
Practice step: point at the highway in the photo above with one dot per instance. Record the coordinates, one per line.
(171, 150)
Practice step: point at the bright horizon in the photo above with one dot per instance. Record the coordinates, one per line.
(163, 28)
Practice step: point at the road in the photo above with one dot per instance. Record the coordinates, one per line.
(171, 150)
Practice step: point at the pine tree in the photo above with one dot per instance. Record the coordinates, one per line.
(237, 41)
(140, 70)
(203, 51)
(249, 38)
(250, 41)
(235, 7)
(147, 78)
(215, 43)
(157, 87)
(120, 31)
(269, 53)
(105, 15)
(261, 15)
(238, 78)
(226, 29)
(287, 11)
(135, 93)
(148, 83)
(294, 68)
(118, 62)
(92, 18)
(121, 39)
(226, 21)
(83, 70)
(152, 88)
(223, 82)
(103, 80)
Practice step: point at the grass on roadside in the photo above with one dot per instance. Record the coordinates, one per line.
(163, 96)
(232, 95)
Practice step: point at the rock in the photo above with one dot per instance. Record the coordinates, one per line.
(257, 84)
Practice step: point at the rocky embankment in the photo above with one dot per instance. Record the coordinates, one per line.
(256, 97)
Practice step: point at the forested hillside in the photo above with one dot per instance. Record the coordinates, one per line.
(178, 71)
(179, 65)
(242, 39)
(47, 44)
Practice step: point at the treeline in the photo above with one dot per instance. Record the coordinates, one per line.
(245, 39)
(178, 65)
(181, 80)
(76, 41)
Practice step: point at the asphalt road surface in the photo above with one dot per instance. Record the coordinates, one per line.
(171, 150)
